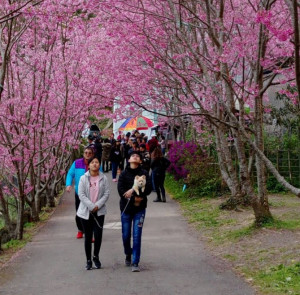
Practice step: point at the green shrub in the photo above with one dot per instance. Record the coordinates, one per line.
(199, 171)
(204, 178)
(273, 186)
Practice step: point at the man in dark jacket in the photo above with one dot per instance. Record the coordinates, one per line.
(133, 216)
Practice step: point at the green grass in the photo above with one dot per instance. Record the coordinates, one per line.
(17, 244)
(240, 233)
(226, 229)
(201, 212)
(230, 257)
(195, 209)
(29, 225)
(276, 204)
(288, 224)
(281, 279)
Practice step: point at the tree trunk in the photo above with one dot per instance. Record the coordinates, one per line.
(4, 210)
(35, 209)
(228, 171)
(51, 195)
(262, 212)
(258, 125)
(20, 218)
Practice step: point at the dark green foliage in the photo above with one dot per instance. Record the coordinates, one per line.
(204, 178)
(273, 186)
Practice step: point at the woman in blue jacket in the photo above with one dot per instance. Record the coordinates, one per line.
(78, 168)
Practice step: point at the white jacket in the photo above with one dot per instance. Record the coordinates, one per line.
(86, 205)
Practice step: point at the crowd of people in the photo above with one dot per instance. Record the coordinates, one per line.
(114, 152)
(135, 159)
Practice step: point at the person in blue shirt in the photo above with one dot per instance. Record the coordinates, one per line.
(77, 169)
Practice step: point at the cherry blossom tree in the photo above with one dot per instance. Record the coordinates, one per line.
(211, 58)
(52, 63)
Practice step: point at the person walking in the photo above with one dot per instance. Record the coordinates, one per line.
(159, 165)
(153, 143)
(91, 142)
(93, 194)
(115, 159)
(98, 148)
(134, 148)
(106, 147)
(122, 149)
(145, 156)
(162, 144)
(77, 169)
(133, 209)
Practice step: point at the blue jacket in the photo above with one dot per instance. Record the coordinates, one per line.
(77, 169)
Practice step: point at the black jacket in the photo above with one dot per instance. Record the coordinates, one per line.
(98, 150)
(125, 182)
(159, 166)
(145, 160)
(115, 155)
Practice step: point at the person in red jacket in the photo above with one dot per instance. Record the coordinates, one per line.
(152, 143)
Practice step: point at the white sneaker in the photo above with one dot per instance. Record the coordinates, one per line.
(135, 268)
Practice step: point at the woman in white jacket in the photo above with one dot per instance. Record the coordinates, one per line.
(93, 193)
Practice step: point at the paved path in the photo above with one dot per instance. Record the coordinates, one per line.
(173, 261)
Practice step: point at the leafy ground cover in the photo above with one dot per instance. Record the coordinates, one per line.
(268, 257)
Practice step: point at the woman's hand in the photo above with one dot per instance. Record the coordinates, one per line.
(95, 209)
(128, 194)
(68, 188)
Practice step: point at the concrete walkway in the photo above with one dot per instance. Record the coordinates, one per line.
(173, 261)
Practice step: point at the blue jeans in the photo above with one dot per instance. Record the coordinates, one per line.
(136, 222)
(114, 169)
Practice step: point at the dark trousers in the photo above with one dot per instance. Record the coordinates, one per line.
(105, 166)
(159, 179)
(121, 165)
(77, 219)
(114, 166)
(90, 226)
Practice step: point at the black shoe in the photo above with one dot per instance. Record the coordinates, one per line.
(128, 260)
(157, 200)
(89, 265)
(164, 199)
(97, 262)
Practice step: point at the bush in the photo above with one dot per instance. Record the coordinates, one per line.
(179, 155)
(273, 186)
(199, 171)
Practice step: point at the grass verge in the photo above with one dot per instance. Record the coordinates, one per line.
(268, 257)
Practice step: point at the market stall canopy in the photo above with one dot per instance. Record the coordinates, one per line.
(136, 123)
